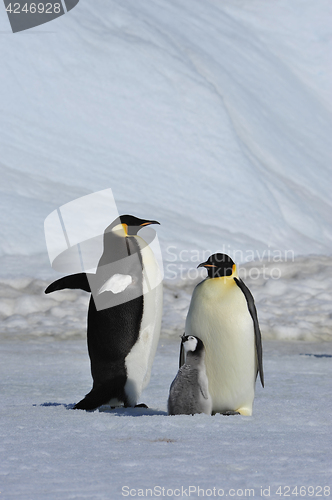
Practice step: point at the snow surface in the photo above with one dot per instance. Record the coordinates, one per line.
(50, 451)
(215, 119)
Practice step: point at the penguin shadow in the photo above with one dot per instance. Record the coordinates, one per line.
(67, 406)
(119, 411)
(317, 355)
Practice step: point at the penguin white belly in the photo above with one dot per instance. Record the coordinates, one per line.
(219, 316)
(139, 361)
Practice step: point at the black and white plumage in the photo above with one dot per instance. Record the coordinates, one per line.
(124, 315)
(223, 315)
(189, 391)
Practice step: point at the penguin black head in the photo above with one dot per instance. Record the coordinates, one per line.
(130, 224)
(192, 344)
(219, 265)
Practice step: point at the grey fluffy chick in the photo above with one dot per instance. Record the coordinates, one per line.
(189, 392)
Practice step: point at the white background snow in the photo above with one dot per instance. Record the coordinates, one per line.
(215, 119)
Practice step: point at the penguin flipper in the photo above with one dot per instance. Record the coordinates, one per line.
(258, 337)
(74, 281)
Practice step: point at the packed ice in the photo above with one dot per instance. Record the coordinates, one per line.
(213, 118)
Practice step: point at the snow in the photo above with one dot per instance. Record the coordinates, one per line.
(213, 118)
(293, 300)
(51, 451)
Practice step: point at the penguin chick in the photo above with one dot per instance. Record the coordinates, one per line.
(189, 392)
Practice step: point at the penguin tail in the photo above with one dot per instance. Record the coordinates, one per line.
(74, 281)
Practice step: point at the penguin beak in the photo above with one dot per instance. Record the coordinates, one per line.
(149, 222)
(204, 264)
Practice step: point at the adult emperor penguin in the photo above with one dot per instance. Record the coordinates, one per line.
(189, 391)
(223, 315)
(124, 315)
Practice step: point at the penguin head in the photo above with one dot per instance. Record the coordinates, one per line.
(191, 343)
(129, 225)
(219, 265)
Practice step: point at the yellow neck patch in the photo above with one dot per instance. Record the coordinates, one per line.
(228, 280)
(121, 230)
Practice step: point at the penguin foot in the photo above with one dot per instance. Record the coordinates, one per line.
(85, 405)
(231, 412)
(141, 405)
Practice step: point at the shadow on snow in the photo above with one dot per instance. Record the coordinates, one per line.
(118, 411)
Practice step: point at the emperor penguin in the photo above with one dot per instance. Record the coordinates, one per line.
(124, 315)
(189, 391)
(223, 315)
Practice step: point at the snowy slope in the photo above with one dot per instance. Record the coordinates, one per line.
(214, 118)
(210, 117)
